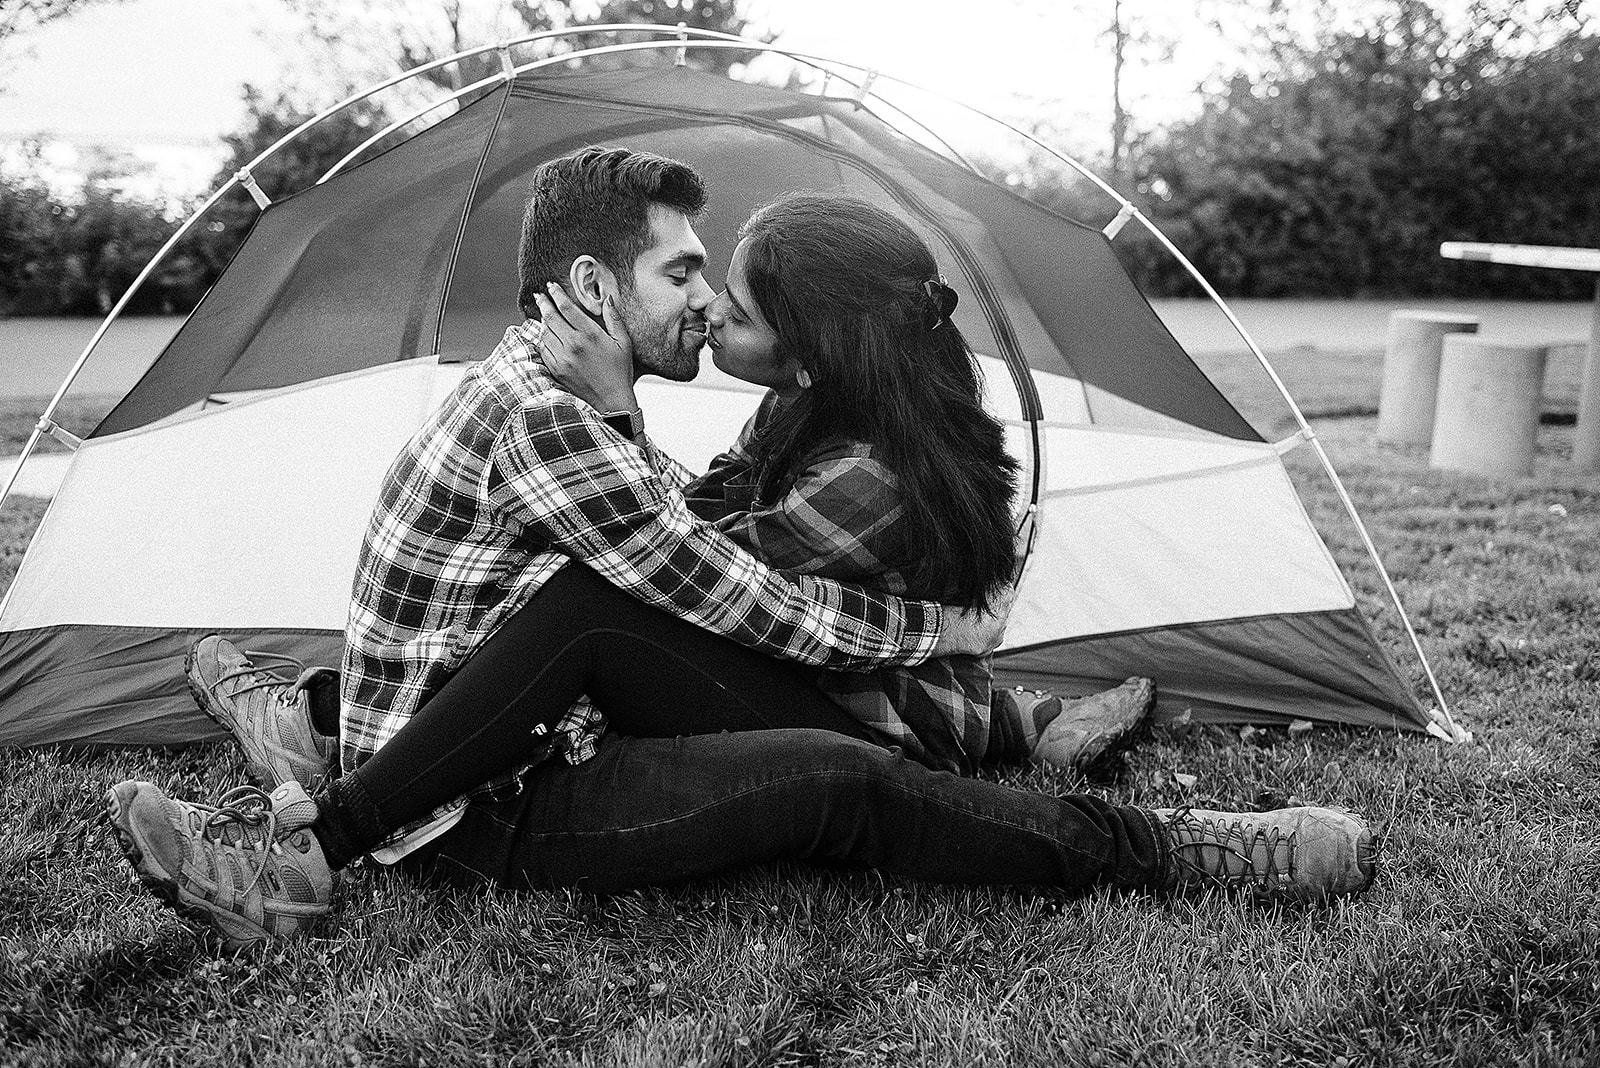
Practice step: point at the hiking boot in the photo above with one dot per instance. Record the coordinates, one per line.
(1292, 854)
(269, 715)
(1093, 728)
(249, 868)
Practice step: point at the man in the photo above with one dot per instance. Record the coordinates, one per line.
(480, 517)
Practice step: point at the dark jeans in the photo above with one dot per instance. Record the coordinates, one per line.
(648, 811)
(670, 797)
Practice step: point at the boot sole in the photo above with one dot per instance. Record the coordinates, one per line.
(234, 930)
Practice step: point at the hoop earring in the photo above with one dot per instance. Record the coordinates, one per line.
(803, 378)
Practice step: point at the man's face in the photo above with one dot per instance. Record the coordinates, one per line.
(663, 313)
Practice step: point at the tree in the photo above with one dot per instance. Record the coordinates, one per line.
(1339, 167)
(77, 254)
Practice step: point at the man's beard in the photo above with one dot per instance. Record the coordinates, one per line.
(659, 348)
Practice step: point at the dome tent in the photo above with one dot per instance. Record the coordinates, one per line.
(229, 490)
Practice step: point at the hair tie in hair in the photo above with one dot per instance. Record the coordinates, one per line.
(942, 299)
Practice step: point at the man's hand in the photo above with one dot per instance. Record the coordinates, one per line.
(593, 364)
(973, 632)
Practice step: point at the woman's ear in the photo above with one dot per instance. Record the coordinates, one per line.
(590, 282)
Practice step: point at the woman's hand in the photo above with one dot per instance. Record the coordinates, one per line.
(593, 364)
(972, 632)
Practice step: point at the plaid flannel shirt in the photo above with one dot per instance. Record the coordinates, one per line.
(507, 481)
(841, 517)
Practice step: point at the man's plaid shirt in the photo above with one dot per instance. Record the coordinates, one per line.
(841, 517)
(507, 481)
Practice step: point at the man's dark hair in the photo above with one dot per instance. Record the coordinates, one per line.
(596, 202)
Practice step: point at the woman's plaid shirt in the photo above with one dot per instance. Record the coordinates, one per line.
(841, 517)
(508, 480)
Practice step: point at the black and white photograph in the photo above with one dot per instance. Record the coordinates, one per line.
(800, 532)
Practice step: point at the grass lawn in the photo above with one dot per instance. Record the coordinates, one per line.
(1476, 947)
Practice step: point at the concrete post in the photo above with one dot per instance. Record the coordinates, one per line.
(1586, 438)
(1490, 395)
(1411, 373)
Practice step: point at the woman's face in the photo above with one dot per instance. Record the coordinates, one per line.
(742, 343)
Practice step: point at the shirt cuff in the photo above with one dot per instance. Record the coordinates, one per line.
(929, 632)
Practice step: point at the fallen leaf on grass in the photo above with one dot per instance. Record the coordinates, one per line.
(1178, 725)
(1185, 780)
(1298, 729)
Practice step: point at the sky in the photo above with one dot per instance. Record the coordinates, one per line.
(160, 79)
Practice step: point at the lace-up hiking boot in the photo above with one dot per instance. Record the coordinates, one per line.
(1292, 854)
(248, 868)
(268, 714)
(1094, 728)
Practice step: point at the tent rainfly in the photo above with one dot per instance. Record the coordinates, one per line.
(229, 490)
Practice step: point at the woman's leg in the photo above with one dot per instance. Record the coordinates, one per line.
(652, 674)
(649, 811)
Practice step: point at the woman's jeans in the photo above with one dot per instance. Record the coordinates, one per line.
(718, 757)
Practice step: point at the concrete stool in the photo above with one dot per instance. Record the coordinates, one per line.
(1411, 373)
(1488, 410)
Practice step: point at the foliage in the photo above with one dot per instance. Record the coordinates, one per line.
(77, 255)
(1339, 170)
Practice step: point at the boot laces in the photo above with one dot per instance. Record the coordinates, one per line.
(1232, 852)
(246, 812)
(283, 687)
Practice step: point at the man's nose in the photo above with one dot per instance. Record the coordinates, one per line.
(700, 294)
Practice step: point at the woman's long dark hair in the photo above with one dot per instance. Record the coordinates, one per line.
(844, 286)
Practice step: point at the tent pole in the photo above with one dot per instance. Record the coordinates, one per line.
(508, 76)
